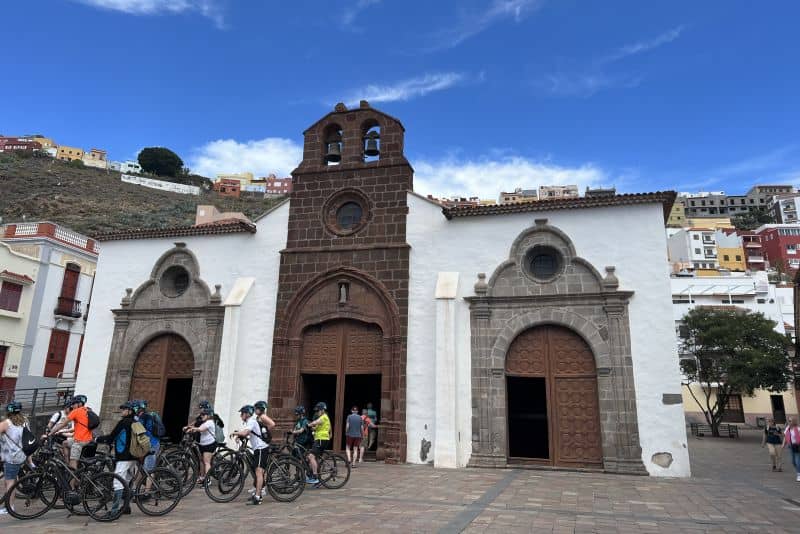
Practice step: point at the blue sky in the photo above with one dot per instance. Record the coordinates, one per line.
(494, 94)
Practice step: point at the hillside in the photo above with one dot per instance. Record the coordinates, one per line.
(91, 200)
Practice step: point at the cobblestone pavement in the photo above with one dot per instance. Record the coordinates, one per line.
(733, 490)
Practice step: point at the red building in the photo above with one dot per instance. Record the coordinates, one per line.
(753, 249)
(277, 186)
(8, 144)
(781, 245)
(228, 188)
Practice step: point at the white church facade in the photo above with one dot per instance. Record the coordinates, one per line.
(536, 333)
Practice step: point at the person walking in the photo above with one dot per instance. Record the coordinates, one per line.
(208, 441)
(772, 438)
(369, 429)
(372, 431)
(354, 432)
(120, 438)
(792, 441)
(11, 449)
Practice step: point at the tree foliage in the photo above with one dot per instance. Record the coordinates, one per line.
(752, 219)
(734, 351)
(160, 161)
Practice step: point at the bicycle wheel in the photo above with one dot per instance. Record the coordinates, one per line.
(186, 470)
(164, 494)
(224, 482)
(32, 495)
(285, 478)
(334, 471)
(105, 496)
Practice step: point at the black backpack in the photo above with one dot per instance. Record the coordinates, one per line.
(92, 418)
(29, 442)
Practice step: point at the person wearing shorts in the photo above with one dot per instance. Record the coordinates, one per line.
(11, 448)
(208, 441)
(322, 437)
(82, 436)
(252, 430)
(353, 431)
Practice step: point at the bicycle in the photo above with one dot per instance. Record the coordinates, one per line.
(38, 491)
(333, 468)
(184, 459)
(165, 491)
(284, 477)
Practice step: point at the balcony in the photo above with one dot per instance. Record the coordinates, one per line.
(67, 307)
(752, 244)
(755, 259)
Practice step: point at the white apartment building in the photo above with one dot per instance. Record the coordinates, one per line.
(693, 248)
(743, 291)
(125, 167)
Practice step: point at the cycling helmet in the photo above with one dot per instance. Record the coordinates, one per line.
(14, 407)
(205, 405)
(321, 406)
(140, 405)
(248, 409)
(129, 405)
(206, 412)
(300, 410)
(78, 398)
(67, 401)
(260, 405)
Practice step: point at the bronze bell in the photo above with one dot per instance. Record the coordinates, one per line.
(334, 153)
(372, 144)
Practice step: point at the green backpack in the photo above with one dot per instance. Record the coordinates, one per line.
(140, 441)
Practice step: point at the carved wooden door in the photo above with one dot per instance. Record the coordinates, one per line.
(341, 347)
(162, 358)
(567, 363)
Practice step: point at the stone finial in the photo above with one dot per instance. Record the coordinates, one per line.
(610, 282)
(340, 107)
(481, 287)
(126, 300)
(363, 104)
(216, 297)
(540, 222)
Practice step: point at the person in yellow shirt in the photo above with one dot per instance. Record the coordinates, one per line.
(322, 439)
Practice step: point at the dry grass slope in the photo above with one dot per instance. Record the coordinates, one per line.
(91, 201)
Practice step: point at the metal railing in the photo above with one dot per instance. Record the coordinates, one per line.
(68, 307)
(37, 401)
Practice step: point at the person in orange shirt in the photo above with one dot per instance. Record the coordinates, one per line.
(82, 436)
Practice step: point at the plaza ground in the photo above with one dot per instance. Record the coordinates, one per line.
(732, 490)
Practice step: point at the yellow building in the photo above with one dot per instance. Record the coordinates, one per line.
(743, 409)
(710, 222)
(69, 153)
(731, 259)
(677, 216)
(18, 274)
(244, 178)
(46, 142)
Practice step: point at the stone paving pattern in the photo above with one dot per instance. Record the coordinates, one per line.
(733, 490)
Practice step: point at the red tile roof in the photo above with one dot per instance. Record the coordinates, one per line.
(227, 226)
(24, 278)
(666, 198)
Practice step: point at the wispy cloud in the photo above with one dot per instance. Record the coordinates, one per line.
(262, 156)
(595, 76)
(644, 46)
(487, 175)
(471, 23)
(407, 89)
(780, 165)
(353, 10)
(207, 8)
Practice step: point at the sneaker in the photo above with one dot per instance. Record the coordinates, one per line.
(254, 500)
(798, 478)
(312, 480)
(3, 511)
(251, 491)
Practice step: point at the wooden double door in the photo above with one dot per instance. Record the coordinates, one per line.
(553, 407)
(341, 366)
(162, 375)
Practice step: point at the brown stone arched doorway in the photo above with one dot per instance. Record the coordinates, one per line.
(340, 364)
(162, 375)
(553, 406)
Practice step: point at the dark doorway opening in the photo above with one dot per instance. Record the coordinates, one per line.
(528, 435)
(320, 388)
(177, 401)
(778, 409)
(358, 391)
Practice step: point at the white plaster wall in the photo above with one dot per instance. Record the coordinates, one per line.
(222, 259)
(631, 238)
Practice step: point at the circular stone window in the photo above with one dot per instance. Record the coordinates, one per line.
(174, 282)
(346, 212)
(543, 262)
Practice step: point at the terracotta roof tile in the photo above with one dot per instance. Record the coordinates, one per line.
(666, 198)
(218, 227)
(24, 278)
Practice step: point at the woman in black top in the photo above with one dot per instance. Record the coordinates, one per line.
(773, 438)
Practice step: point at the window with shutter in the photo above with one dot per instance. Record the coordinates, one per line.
(10, 294)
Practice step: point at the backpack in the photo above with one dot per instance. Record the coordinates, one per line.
(93, 420)
(156, 425)
(140, 442)
(219, 434)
